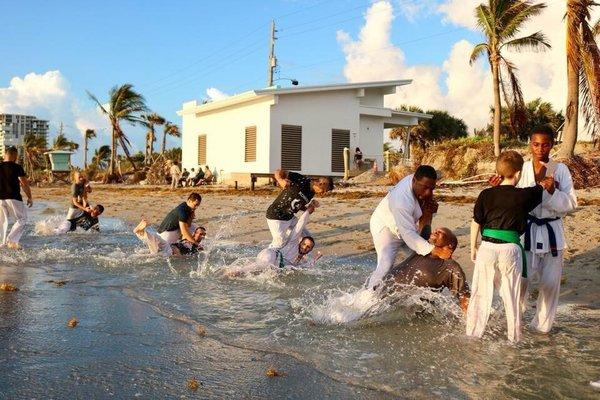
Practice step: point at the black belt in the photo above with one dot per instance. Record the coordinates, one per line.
(493, 240)
(551, 235)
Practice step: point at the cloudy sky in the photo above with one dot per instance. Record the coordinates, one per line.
(180, 50)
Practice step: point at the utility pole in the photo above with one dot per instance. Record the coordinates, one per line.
(272, 58)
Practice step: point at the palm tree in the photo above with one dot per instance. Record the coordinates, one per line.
(150, 121)
(124, 104)
(61, 142)
(583, 72)
(101, 157)
(169, 129)
(34, 147)
(500, 21)
(88, 135)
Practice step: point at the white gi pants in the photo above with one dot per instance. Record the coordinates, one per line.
(267, 257)
(17, 210)
(507, 260)
(156, 244)
(171, 236)
(545, 271)
(279, 231)
(386, 245)
(63, 228)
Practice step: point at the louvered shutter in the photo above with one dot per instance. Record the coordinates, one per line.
(291, 147)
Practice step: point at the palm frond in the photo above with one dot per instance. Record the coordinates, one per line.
(536, 41)
(95, 99)
(484, 20)
(589, 79)
(478, 51)
(516, 16)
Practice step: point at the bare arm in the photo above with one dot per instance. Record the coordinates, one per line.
(474, 236)
(25, 186)
(281, 178)
(185, 232)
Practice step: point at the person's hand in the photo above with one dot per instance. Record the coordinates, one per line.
(315, 203)
(318, 255)
(310, 208)
(473, 254)
(548, 184)
(88, 209)
(431, 206)
(286, 183)
(495, 180)
(463, 301)
(442, 252)
(29, 202)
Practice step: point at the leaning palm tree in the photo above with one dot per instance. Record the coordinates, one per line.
(34, 147)
(169, 129)
(150, 121)
(61, 142)
(88, 135)
(124, 104)
(583, 72)
(500, 21)
(101, 157)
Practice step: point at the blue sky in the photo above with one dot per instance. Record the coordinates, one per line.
(173, 51)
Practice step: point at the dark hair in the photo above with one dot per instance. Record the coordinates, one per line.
(309, 238)
(546, 130)
(453, 241)
(425, 171)
(195, 197)
(329, 181)
(12, 150)
(206, 166)
(175, 162)
(357, 149)
(100, 207)
(201, 227)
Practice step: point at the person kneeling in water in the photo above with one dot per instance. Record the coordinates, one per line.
(431, 271)
(157, 245)
(85, 220)
(294, 253)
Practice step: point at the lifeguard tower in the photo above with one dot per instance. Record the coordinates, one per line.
(60, 165)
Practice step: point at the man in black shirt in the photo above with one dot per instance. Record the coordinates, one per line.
(85, 220)
(157, 245)
(297, 193)
(12, 180)
(431, 271)
(500, 215)
(178, 221)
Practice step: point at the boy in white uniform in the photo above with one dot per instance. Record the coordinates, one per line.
(544, 239)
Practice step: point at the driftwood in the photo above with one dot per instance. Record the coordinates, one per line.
(472, 180)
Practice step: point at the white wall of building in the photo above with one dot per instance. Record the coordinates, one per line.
(318, 113)
(225, 137)
(371, 138)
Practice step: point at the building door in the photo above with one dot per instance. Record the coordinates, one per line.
(340, 138)
(291, 147)
(202, 150)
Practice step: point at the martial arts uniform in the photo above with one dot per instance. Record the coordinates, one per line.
(169, 228)
(11, 202)
(157, 245)
(501, 212)
(80, 219)
(394, 222)
(288, 254)
(430, 272)
(544, 240)
(280, 214)
(78, 193)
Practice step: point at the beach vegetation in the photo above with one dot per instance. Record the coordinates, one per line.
(169, 129)
(150, 121)
(88, 135)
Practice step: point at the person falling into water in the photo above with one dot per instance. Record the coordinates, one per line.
(157, 245)
(79, 196)
(399, 218)
(177, 223)
(294, 253)
(298, 192)
(86, 220)
(429, 270)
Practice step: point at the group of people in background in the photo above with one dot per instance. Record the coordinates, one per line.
(517, 235)
(185, 178)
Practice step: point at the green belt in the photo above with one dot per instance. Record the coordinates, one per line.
(508, 237)
(279, 255)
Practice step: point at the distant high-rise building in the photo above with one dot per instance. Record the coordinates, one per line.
(14, 127)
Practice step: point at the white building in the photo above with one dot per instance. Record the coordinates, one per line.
(14, 127)
(303, 129)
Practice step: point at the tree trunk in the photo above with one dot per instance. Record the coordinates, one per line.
(113, 151)
(572, 110)
(164, 144)
(85, 151)
(497, 104)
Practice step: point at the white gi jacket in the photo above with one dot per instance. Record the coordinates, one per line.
(399, 211)
(557, 205)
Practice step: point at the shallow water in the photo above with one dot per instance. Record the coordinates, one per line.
(411, 345)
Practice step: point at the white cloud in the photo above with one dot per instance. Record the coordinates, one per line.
(467, 93)
(48, 96)
(215, 94)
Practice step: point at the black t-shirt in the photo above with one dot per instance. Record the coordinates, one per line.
(182, 213)
(77, 191)
(84, 221)
(506, 207)
(186, 247)
(10, 188)
(291, 199)
(429, 271)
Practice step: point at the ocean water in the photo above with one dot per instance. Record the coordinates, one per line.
(410, 345)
